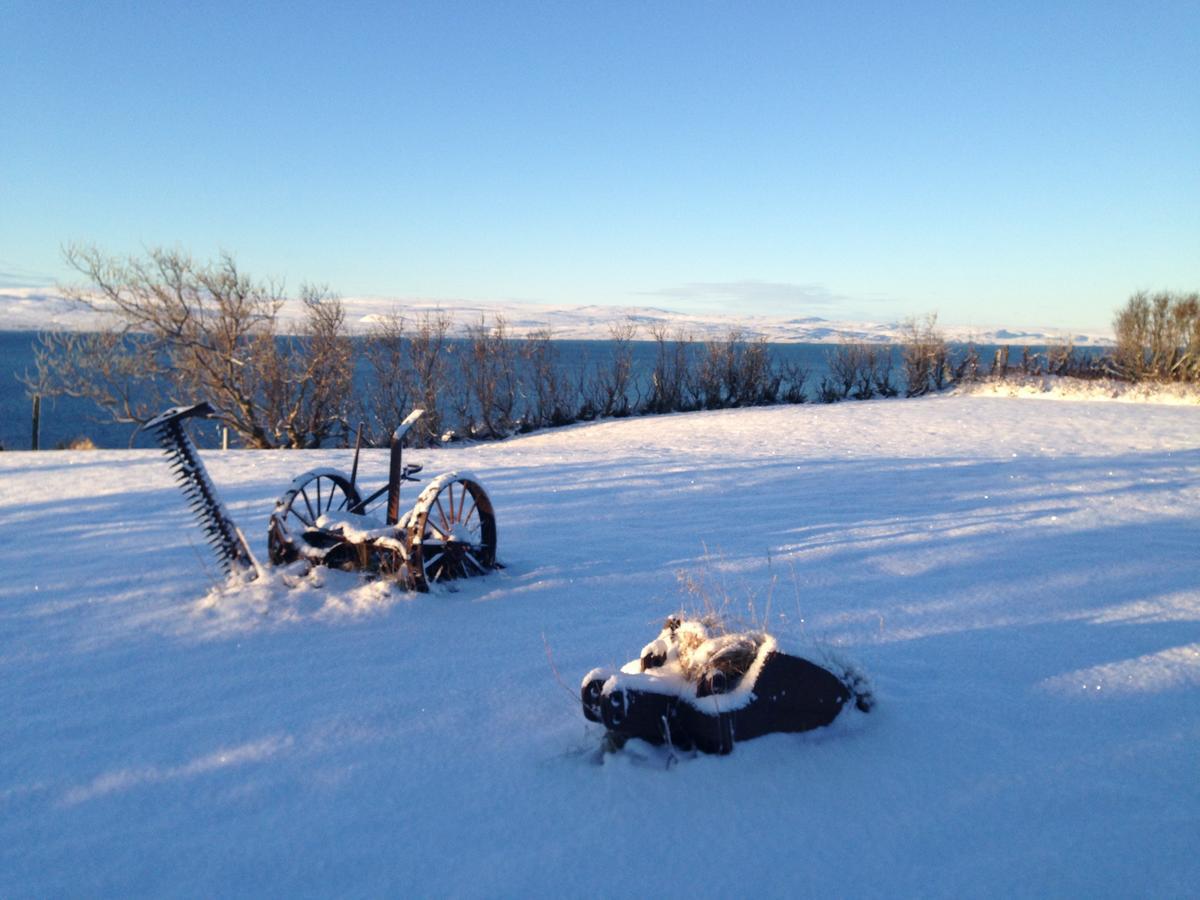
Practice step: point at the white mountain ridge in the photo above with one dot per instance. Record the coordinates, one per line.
(32, 309)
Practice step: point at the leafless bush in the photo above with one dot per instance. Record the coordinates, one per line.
(313, 395)
(709, 376)
(1158, 337)
(489, 376)
(386, 404)
(735, 371)
(550, 394)
(843, 362)
(851, 370)
(969, 368)
(426, 378)
(925, 356)
(1060, 358)
(858, 370)
(794, 376)
(122, 374)
(753, 378)
(829, 390)
(613, 382)
(669, 389)
(179, 331)
(883, 376)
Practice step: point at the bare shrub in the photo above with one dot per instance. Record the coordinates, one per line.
(1064, 358)
(388, 402)
(1158, 337)
(123, 374)
(489, 377)
(613, 382)
(755, 381)
(709, 379)
(884, 373)
(925, 356)
(829, 390)
(969, 368)
(844, 362)
(859, 370)
(794, 376)
(1061, 358)
(669, 389)
(426, 377)
(735, 371)
(178, 331)
(311, 382)
(550, 394)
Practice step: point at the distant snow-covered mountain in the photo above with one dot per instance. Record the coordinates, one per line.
(29, 309)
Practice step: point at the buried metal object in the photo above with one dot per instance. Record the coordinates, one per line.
(692, 688)
(449, 533)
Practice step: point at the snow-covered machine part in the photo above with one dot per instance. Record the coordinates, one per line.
(396, 473)
(696, 686)
(323, 519)
(225, 538)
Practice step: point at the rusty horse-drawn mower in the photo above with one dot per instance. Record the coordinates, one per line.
(323, 519)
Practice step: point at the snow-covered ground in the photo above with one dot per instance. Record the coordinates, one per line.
(1050, 387)
(32, 309)
(1018, 577)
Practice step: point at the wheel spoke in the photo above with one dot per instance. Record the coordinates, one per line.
(468, 556)
(308, 503)
(435, 567)
(447, 523)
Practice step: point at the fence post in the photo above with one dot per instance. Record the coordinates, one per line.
(37, 421)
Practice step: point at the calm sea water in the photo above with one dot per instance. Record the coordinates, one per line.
(65, 418)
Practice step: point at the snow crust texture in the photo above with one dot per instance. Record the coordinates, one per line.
(1019, 577)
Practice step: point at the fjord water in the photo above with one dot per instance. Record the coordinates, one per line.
(65, 418)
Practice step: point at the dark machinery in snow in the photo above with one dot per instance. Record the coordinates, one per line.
(449, 533)
(693, 689)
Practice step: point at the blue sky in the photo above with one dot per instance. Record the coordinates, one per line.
(1002, 163)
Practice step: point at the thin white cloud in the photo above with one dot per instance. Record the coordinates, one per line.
(12, 276)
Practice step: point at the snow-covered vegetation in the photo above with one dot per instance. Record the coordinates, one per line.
(1018, 578)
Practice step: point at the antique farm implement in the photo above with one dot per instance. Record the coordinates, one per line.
(324, 519)
(699, 686)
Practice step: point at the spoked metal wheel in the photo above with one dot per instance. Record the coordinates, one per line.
(311, 496)
(451, 532)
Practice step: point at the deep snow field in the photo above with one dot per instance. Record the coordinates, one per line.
(1019, 578)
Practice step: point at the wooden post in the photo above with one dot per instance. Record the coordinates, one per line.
(37, 421)
(224, 437)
